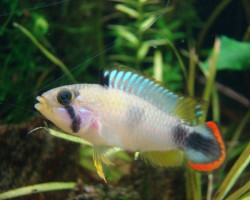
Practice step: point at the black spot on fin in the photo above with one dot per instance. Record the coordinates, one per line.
(205, 145)
(104, 78)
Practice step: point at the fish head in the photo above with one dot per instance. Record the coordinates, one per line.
(67, 109)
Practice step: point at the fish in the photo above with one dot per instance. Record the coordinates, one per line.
(133, 112)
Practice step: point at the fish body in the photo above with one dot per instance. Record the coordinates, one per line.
(135, 113)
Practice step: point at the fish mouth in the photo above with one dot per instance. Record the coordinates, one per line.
(42, 102)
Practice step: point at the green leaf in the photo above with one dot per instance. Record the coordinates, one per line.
(68, 137)
(127, 35)
(234, 55)
(123, 155)
(143, 50)
(234, 173)
(147, 23)
(38, 188)
(158, 65)
(41, 26)
(131, 12)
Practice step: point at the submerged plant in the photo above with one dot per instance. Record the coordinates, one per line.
(145, 35)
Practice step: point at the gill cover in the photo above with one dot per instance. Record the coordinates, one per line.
(204, 147)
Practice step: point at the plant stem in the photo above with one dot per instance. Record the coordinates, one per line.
(238, 132)
(193, 179)
(49, 55)
(210, 21)
(216, 117)
(139, 33)
(179, 60)
(210, 186)
(99, 34)
(216, 105)
(212, 72)
(191, 77)
(193, 184)
(9, 17)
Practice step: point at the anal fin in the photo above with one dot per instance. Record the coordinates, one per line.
(173, 158)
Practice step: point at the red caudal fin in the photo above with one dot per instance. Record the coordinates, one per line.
(204, 147)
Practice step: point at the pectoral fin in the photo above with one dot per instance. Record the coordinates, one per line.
(101, 158)
(172, 158)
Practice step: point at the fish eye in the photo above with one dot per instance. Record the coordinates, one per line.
(65, 97)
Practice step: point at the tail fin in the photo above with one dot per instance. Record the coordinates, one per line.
(204, 147)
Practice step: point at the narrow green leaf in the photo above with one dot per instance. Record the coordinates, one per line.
(240, 192)
(245, 196)
(129, 11)
(234, 173)
(69, 137)
(129, 36)
(147, 23)
(49, 55)
(38, 188)
(158, 66)
(143, 50)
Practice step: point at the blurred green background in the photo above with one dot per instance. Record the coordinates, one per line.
(90, 35)
(45, 44)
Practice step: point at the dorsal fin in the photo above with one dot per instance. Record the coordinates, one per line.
(187, 109)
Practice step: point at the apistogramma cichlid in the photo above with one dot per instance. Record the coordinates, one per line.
(135, 113)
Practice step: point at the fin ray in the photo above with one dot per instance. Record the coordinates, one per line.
(204, 147)
(188, 110)
(172, 158)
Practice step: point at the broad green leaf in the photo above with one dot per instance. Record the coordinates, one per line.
(234, 55)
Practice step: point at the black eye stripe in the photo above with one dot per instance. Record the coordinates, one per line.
(75, 126)
(65, 97)
(76, 121)
(71, 111)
